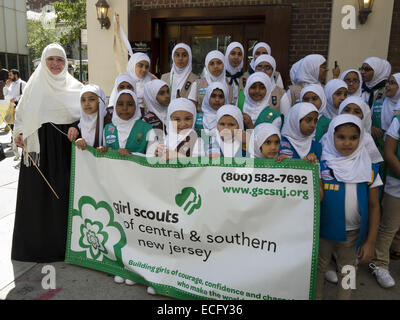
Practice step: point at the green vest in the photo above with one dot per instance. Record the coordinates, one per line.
(322, 128)
(390, 172)
(377, 120)
(269, 115)
(136, 142)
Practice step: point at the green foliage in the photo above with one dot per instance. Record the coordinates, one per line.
(39, 37)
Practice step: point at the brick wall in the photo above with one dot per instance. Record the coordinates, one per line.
(310, 25)
(394, 45)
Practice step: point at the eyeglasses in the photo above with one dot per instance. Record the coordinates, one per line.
(349, 81)
(366, 69)
(263, 68)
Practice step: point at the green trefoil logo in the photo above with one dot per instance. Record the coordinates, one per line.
(189, 200)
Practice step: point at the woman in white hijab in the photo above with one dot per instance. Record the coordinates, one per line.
(375, 72)
(214, 72)
(279, 100)
(354, 82)
(234, 57)
(181, 77)
(309, 71)
(48, 109)
(91, 125)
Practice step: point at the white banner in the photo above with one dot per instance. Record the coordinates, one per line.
(211, 231)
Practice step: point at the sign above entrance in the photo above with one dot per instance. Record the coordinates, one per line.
(141, 46)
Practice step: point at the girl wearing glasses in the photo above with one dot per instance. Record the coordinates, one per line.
(354, 82)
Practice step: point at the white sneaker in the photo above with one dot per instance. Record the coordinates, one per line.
(119, 280)
(129, 282)
(150, 290)
(382, 276)
(331, 276)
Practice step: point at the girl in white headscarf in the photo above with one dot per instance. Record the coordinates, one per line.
(216, 96)
(279, 100)
(93, 110)
(48, 110)
(309, 71)
(354, 82)
(181, 77)
(157, 97)
(182, 140)
(227, 140)
(234, 57)
(214, 72)
(375, 72)
(336, 92)
(348, 175)
(265, 141)
(297, 133)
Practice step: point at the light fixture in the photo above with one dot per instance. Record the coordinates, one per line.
(365, 8)
(102, 13)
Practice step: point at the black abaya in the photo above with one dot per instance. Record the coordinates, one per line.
(41, 220)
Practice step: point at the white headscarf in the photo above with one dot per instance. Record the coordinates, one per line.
(369, 142)
(251, 107)
(125, 126)
(358, 93)
(209, 114)
(319, 91)
(291, 128)
(355, 168)
(88, 123)
(230, 148)
(174, 138)
(293, 71)
(47, 98)
(269, 59)
(178, 76)
(382, 70)
(215, 54)
(123, 77)
(331, 87)
(308, 72)
(260, 134)
(151, 90)
(228, 67)
(257, 46)
(131, 69)
(388, 106)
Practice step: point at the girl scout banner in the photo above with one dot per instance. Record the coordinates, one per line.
(197, 231)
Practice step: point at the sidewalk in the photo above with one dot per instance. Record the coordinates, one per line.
(23, 281)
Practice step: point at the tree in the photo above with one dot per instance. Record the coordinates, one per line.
(39, 37)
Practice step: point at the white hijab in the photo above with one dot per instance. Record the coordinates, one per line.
(123, 77)
(174, 138)
(251, 107)
(47, 98)
(355, 168)
(178, 76)
(388, 106)
(291, 128)
(125, 126)
(269, 59)
(369, 142)
(257, 46)
(209, 114)
(308, 71)
(319, 91)
(293, 71)
(260, 134)
(331, 87)
(88, 123)
(230, 148)
(151, 90)
(382, 70)
(215, 54)
(228, 67)
(131, 69)
(358, 93)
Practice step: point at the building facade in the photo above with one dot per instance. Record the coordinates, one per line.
(292, 28)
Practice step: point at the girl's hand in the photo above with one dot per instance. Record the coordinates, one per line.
(311, 158)
(81, 144)
(19, 141)
(247, 121)
(280, 158)
(160, 150)
(336, 72)
(73, 133)
(213, 156)
(376, 133)
(366, 253)
(102, 150)
(123, 152)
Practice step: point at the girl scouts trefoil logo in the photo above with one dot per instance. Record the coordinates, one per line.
(188, 200)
